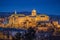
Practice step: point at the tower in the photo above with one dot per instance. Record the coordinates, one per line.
(15, 12)
(34, 12)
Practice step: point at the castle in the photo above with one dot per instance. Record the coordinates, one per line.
(21, 20)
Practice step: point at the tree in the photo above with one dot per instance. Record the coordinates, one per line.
(31, 34)
(18, 36)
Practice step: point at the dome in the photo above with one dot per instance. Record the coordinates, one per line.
(34, 10)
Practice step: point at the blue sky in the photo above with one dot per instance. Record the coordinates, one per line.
(42, 6)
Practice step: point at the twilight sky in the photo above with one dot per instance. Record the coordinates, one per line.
(42, 6)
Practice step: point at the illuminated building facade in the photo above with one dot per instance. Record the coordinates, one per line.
(21, 20)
